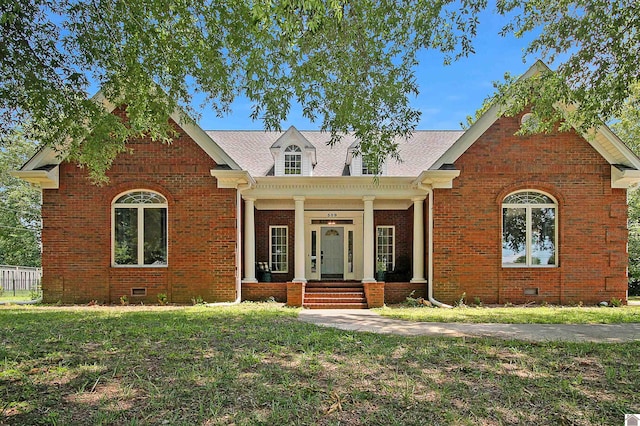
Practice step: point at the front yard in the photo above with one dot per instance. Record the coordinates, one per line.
(256, 364)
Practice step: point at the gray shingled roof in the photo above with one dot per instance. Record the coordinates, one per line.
(250, 149)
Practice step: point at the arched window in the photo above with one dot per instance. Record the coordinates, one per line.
(293, 160)
(529, 229)
(140, 229)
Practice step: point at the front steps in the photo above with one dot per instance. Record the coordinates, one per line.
(334, 295)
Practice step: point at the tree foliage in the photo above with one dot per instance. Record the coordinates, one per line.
(351, 65)
(19, 209)
(627, 127)
(595, 45)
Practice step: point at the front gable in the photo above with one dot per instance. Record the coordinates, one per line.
(624, 164)
(290, 148)
(43, 168)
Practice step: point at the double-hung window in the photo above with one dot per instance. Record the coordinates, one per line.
(529, 229)
(293, 160)
(278, 249)
(140, 229)
(385, 248)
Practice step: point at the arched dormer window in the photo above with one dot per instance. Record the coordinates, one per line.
(529, 229)
(139, 230)
(292, 160)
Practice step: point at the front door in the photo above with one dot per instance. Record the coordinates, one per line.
(331, 248)
(332, 252)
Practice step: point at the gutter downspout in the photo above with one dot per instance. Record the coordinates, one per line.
(238, 251)
(430, 251)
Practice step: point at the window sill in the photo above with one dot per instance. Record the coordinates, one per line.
(529, 266)
(140, 266)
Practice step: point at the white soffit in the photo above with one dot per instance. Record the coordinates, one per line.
(45, 179)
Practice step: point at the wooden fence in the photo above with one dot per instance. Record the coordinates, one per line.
(19, 278)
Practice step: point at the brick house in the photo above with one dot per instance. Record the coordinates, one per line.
(497, 217)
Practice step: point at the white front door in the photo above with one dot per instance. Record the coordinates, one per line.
(333, 245)
(332, 252)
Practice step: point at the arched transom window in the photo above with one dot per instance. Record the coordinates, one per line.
(140, 229)
(293, 160)
(529, 229)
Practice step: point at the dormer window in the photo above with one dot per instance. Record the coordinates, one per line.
(293, 154)
(293, 160)
(367, 168)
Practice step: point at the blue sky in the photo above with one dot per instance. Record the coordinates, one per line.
(448, 94)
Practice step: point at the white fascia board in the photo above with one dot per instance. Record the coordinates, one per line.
(482, 124)
(43, 157)
(203, 140)
(623, 155)
(624, 178)
(45, 179)
(233, 178)
(465, 141)
(47, 155)
(437, 178)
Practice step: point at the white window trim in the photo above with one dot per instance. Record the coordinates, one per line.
(139, 206)
(528, 263)
(286, 246)
(297, 154)
(393, 245)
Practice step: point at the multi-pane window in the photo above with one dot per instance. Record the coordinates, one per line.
(367, 168)
(385, 248)
(529, 229)
(278, 249)
(292, 160)
(140, 229)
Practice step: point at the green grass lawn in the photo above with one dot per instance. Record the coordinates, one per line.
(256, 364)
(517, 315)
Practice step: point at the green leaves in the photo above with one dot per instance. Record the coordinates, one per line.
(595, 45)
(19, 208)
(351, 65)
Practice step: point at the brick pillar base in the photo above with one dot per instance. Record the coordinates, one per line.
(295, 294)
(374, 292)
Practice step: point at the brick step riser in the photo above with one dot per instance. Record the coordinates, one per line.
(331, 284)
(335, 296)
(335, 300)
(336, 306)
(334, 290)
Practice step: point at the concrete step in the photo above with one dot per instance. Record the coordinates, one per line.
(334, 290)
(334, 284)
(335, 300)
(336, 305)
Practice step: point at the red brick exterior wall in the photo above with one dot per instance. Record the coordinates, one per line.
(264, 291)
(201, 220)
(403, 222)
(266, 218)
(398, 292)
(592, 237)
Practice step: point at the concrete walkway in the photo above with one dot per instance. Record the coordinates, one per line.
(369, 321)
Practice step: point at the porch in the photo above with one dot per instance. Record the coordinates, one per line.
(332, 293)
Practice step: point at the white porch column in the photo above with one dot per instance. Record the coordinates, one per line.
(299, 276)
(418, 240)
(368, 241)
(249, 241)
